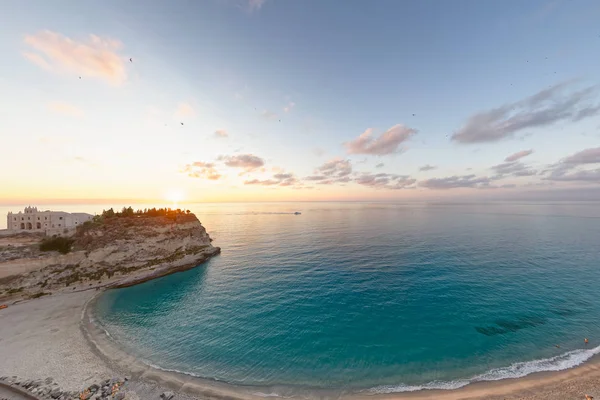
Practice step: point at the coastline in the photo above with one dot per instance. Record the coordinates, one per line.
(549, 385)
(57, 336)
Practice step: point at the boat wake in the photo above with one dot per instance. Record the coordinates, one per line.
(517, 370)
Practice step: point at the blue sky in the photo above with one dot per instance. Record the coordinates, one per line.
(290, 85)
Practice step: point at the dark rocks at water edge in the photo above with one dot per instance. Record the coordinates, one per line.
(108, 389)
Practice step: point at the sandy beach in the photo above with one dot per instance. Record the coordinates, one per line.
(56, 337)
(42, 339)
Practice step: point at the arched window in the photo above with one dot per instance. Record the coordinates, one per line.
(39, 225)
(22, 225)
(29, 226)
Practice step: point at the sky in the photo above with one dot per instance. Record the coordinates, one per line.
(293, 100)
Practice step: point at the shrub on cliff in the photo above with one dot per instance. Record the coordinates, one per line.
(57, 243)
(146, 212)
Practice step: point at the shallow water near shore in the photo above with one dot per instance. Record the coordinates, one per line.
(373, 297)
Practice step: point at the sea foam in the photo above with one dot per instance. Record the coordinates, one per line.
(561, 362)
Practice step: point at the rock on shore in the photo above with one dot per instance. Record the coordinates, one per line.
(115, 389)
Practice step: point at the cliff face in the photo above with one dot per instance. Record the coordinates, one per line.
(116, 252)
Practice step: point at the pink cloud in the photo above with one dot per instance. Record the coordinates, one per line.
(200, 169)
(336, 168)
(268, 182)
(185, 110)
(333, 171)
(248, 162)
(587, 156)
(289, 107)
(95, 57)
(280, 179)
(221, 133)
(386, 181)
(387, 143)
(38, 60)
(518, 155)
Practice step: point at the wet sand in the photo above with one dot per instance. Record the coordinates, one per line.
(56, 337)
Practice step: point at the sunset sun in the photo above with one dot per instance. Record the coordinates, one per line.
(174, 196)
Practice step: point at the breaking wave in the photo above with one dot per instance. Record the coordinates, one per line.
(517, 370)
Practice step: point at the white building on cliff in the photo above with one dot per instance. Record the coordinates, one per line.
(32, 220)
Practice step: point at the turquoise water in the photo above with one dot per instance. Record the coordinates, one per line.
(373, 297)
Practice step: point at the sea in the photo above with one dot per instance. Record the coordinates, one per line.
(373, 297)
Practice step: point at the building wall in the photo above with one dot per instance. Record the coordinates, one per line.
(32, 220)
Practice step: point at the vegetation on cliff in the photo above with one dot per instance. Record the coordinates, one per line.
(57, 243)
(146, 212)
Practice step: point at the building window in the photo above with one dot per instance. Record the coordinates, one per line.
(22, 225)
(15, 218)
(58, 224)
(28, 218)
(59, 217)
(38, 225)
(38, 218)
(75, 223)
(45, 218)
(22, 219)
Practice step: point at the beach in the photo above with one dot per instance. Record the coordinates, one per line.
(41, 339)
(52, 337)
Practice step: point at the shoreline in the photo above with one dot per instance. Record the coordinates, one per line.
(57, 336)
(537, 385)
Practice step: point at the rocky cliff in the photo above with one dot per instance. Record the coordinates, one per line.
(112, 252)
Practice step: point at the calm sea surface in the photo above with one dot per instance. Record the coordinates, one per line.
(375, 297)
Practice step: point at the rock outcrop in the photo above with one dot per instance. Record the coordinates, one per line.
(109, 389)
(114, 252)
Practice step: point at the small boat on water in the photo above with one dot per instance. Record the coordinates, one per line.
(297, 213)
